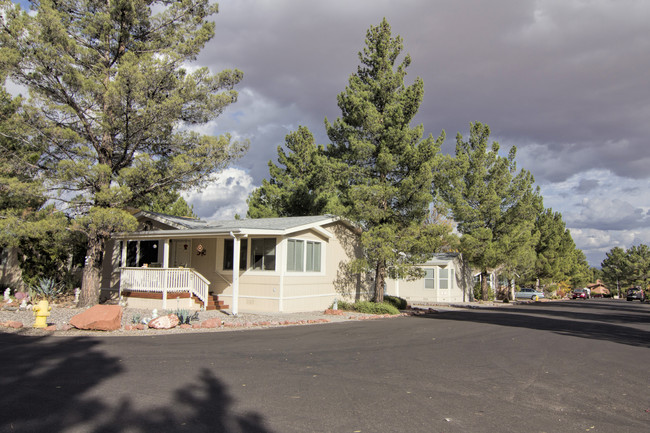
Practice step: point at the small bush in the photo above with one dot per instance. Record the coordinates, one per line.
(135, 319)
(367, 307)
(185, 316)
(46, 288)
(343, 305)
(399, 303)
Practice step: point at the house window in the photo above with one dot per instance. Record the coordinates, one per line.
(429, 279)
(131, 254)
(148, 253)
(303, 255)
(263, 254)
(313, 256)
(228, 249)
(295, 253)
(443, 277)
(446, 278)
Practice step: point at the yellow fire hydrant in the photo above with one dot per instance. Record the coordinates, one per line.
(41, 312)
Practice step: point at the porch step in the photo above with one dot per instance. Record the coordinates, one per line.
(213, 303)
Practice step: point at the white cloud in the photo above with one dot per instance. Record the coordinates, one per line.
(224, 197)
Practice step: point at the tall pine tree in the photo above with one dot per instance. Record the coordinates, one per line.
(300, 185)
(111, 105)
(494, 206)
(383, 166)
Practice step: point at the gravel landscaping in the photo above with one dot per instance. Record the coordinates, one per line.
(60, 316)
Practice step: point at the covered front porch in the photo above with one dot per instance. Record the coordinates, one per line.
(175, 272)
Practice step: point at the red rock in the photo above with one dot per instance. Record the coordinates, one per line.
(50, 328)
(13, 324)
(140, 326)
(66, 327)
(128, 327)
(196, 325)
(334, 312)
(99, 318)
(211, 323)
(185, 326)
(165, 322)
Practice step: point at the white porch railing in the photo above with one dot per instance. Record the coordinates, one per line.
(165, 280)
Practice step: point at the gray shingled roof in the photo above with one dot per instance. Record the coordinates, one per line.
(176, 221)
(285, 223)
(193, 227)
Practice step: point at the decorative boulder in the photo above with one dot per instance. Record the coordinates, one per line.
(99, 318)
(165, 322)
(334, 312)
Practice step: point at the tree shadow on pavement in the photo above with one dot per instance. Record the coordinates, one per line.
(44, 381)
(593, 328)
(588, 310)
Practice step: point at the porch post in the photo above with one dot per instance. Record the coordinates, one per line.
(235, 274)
(165, 260)
(124, 250)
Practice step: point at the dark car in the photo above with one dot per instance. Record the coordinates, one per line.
(635, 293)
(580, 294)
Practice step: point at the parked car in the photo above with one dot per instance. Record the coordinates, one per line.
(635, 293)
(528, 293)
(580, 294)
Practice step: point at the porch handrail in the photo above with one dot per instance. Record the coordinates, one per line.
(200, 286)
(164, 280)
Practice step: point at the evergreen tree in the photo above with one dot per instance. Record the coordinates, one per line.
(40, 233)
(638, 265)
(383, 166)
(112, 106)
(300, 185)
(169, 203)
(494, 206)
(615, 269)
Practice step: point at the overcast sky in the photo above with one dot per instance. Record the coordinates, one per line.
(566, 81)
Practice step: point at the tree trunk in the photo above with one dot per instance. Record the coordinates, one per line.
(380, 281)
(484, 286)
(91, 278)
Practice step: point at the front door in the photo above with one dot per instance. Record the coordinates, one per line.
(180, 253)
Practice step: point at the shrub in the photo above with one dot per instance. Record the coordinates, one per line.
(46, 288)
(343, 305)
(397, 302)
(185, 316)
(367, 307)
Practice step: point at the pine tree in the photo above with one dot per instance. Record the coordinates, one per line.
(300, 185)
(383, 166)
(494, 206)
(112, 106)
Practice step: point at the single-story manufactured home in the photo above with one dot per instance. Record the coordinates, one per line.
(287, 264)
(447, 279)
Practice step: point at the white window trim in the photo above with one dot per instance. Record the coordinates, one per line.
(304, 257)
(435, 279)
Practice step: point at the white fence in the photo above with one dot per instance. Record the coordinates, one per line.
(165, 280)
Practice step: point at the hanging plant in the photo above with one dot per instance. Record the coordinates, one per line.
(200, 250)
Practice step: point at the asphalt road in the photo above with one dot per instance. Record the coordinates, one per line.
(571, 366)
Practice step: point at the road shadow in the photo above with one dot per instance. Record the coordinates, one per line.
(618, 312)
(45, 381)
(583, 325)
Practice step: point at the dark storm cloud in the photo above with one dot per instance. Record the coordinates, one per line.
(566, 81)
(567, 77)
(587, 185)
